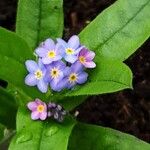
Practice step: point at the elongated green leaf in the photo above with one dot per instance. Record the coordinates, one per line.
(39, 19)
(8, 109)
(119, 30)
(39, 135)
(14, 47)
(13, 54)
(90, 137)
(109, 76)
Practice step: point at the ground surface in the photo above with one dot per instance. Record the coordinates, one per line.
(127, 111)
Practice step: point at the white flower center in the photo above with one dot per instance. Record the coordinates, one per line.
(73, 77)
(54, 73)
(38, 74)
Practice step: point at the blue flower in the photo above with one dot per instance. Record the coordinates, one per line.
(71, 49)
(73, 75)
(55, 74)
(49, 52)
(36, 75)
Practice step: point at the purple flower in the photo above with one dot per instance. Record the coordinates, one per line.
(49, 52)
(73, 75)
(39, 109)
(55, 74)
(36, 75)
(71, 49)
(85, 57)
(56, 111)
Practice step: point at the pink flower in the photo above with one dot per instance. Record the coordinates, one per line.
(85, 58)
(38, 109)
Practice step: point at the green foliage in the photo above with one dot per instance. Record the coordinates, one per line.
(1, 131)
(114, 35)
(39, 135)
(12, 60)
(8, 109)
(109, 76)
(39, 19)
(90, 137)
(119, 30)
(14, 47)
(71, 102)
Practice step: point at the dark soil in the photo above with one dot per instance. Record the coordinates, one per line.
(127, 111)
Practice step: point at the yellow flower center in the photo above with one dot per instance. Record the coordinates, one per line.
(38, 74)
(54, 73)
(69, 51)
(73, 77)
(51, 54)
(40, 108)
(82, 59)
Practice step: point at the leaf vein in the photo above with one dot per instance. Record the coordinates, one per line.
(134, 16)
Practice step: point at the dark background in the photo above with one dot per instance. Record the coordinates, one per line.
(127, 111)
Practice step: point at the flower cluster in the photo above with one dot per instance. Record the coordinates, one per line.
(42, 111)
(60, 65)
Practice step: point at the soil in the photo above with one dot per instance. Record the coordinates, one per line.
(128, 110)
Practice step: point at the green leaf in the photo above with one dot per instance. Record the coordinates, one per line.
(119, 30)
(12, 59)
(39, 19)
(90, 137)
(109, 76)
(1, 131)
(8, 109)
(70, 103)
(40, 135)
(14, 47)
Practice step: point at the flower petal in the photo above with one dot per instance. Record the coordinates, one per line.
(59, 49)
(61, 85)
(46, 60)
(67, 71)
(90, 64)
(49, 44)
(62, 42)
(32, 106)
(90, 55)
(31, 66)
(56, 58)
(30, 80)
(71, 58)
(82, 78)
(35, 115)
(56, 86)
(78, 50)
(60, 64)
(77, 67)
(41, 65)
(42, 86)
(38, 101)
(74, 42)
(83, 52)
(43, 115)
(71, 85)
(41, 52)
